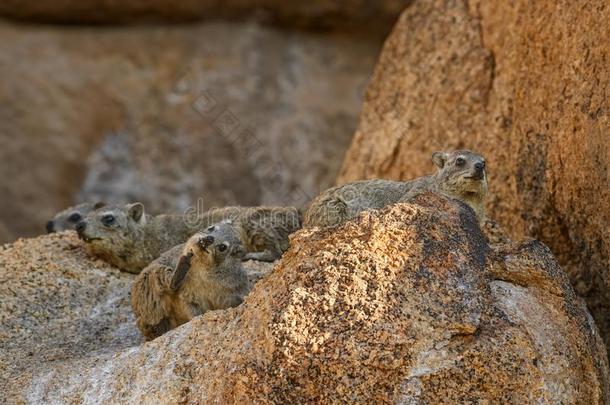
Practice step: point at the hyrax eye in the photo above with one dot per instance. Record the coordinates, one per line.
(211, 228)
(75, 217)
(223, 246)
(108, 220)
(460, 161)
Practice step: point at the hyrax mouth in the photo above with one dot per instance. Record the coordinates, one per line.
(475, 176)
(87, 239)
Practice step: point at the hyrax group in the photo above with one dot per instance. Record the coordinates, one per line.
(188, 267)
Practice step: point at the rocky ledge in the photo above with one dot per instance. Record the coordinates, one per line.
(409, 304)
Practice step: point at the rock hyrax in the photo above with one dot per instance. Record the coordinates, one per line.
(127, 237)
(265, 231)
(203, 274)
(68, 218)
(461, 175)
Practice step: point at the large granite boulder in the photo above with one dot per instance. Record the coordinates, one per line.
(410, 304)
(524, 83)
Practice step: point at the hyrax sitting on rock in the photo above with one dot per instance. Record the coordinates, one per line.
(68, 218)
(201, 275)
(461, 175)
(127, 237)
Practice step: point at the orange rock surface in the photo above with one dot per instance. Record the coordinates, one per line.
(527, 84)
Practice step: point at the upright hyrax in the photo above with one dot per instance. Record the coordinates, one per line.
(130, 239)
(461, 175)
(201, 275)
(68, 218)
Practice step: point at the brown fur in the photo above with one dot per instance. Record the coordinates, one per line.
(135, 239)
(189, 280)
(264, 231)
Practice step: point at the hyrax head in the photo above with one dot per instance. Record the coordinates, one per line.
(461, 173)
(68, 218)
(217, 249)
(113, 228)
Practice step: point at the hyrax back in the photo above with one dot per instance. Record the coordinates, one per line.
(341, 203)
(201, 275)
(148, 295)
(265, 231)
(461, 175)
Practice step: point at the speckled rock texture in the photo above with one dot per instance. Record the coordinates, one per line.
(360, 15)
(409, 304)
(527, 84)
(232, 114)
(57, 304)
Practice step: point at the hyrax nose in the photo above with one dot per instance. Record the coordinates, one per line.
(206, 241)
(80, 227)
(50, 227)
(479, 167)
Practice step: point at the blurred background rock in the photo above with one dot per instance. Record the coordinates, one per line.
(526, 84)
(240, 102)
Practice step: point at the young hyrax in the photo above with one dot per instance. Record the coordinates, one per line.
(203, 274)
(461, 174)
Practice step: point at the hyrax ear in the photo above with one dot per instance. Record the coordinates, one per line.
(98, 205)
(135, 211)
(439, 159)
(182, 269)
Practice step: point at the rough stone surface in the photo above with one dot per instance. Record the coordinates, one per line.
(527, 84)
(361, 15)
(409, 304)
(58, 305)
(234, 114)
